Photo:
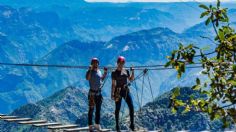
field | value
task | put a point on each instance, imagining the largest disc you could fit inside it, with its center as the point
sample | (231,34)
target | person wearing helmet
(120,90)
(95,78)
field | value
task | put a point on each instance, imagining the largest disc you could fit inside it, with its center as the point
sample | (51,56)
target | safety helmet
(121,59)
(94,60)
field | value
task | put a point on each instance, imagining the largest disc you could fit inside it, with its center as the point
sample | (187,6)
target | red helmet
(94,60)
(121,59)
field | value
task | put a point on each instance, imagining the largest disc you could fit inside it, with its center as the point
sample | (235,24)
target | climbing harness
(92,95)
(127,90)
(95,93)
(142,75)
(117,94)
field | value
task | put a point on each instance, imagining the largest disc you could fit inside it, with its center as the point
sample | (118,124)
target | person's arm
(88,73)
(104,73)
(131,78)
(113,85)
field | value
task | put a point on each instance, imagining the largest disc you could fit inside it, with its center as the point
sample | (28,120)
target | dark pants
(126,95)
(97,103)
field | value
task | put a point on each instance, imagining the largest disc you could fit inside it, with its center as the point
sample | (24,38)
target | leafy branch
(219,89)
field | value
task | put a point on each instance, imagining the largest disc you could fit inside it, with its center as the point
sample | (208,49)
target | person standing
(120,90)
(95,78)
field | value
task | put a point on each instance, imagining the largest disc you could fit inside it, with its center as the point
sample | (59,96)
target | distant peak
(153,31)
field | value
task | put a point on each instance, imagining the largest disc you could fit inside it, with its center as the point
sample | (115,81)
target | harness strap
(95,92)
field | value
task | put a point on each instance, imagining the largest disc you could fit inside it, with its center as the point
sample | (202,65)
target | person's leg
(129,101)
(98,109)
(90,116)
(117,111)
(90,112)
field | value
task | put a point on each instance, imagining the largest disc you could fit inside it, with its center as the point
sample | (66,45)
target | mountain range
(42,82)
(70,106)
(65,33)
(64,106)
(153,46)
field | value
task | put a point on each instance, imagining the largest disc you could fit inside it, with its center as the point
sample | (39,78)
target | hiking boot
(132,127)
(97,127)
(91,128)
(118,128)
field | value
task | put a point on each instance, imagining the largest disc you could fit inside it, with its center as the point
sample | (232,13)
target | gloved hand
(105,69)
(90,67)
(132,68)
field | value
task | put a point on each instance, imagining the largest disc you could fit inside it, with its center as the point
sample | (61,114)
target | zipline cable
(150,87)
(149,67)
(84,67)
(142,91)
(137,94)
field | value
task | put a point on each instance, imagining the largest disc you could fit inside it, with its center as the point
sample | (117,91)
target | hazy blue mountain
(70,106)
(126,19)
(64,33)
(32,84)
(30,26)
(56,24)
(232,13)
(157,115)
(65,106)
(202,30)
(100,21)
(189,77)
(33,33)
(42,4)
(42,82)
(140,48)
(132,16)
(6,48)
(153,45)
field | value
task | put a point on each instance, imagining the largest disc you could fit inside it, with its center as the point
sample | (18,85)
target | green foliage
(220,87)
(187,53)
(158,115)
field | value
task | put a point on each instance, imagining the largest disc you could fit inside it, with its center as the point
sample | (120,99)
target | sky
(157,0)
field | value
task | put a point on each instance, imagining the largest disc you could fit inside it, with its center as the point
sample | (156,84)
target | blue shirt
(95,81)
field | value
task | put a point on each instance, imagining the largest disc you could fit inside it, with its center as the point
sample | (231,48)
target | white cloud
(156,0)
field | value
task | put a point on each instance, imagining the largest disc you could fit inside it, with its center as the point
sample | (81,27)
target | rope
(86,67)
(136,78)
(167,68)
(69,66)
(150,87)
(123,105)
(142,92)
(135,84)
(104,81)
(43,65)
